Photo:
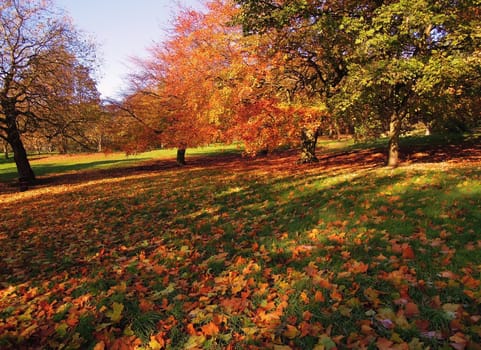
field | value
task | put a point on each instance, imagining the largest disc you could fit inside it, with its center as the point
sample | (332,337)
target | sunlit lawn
(243,253)
(54,163)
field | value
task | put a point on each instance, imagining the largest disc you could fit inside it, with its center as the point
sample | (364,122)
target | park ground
(231,252)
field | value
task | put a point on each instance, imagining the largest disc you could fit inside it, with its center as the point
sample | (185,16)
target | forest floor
(232,252)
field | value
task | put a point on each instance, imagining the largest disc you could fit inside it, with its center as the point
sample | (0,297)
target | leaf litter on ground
(247,254)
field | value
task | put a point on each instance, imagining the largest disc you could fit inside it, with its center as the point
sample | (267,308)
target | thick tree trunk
(394,133)
(25,172)
(308,144)
(181,156)
(63,145)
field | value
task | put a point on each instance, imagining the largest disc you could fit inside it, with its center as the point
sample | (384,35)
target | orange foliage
(209,83)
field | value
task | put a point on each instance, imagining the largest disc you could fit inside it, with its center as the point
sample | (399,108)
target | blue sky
(122,29)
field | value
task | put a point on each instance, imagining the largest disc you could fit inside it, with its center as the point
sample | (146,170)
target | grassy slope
(260,253)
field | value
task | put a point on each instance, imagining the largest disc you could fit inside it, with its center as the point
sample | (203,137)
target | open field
(45,164)
(247,253)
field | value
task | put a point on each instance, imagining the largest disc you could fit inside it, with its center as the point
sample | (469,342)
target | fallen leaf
(319,297)
(99,346)
(210,329)
(407,251)
(291,332)
(384,344)
(116,314)
(411,310)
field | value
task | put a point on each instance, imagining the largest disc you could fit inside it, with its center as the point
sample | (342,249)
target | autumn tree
(412,58)
(37,47)
(73,106)
(309,37)
(377,65)
(177,89)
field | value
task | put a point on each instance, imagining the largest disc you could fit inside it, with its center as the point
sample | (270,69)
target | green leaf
(327,342)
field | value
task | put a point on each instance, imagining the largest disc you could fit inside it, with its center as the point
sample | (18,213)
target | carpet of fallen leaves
(231,253)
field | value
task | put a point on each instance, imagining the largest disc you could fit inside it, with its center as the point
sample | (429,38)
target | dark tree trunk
(25,172)
(394,133)
(309,142)
(181,156)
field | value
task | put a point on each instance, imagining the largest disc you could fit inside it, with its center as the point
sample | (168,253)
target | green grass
(54,164)
(260,252)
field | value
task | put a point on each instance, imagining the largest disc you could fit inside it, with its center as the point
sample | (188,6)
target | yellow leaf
(304,298)
(28,331)
(195,341)
(61,329)
(291,332)
(128,331)
(451,307)
(154,344)
(116,314)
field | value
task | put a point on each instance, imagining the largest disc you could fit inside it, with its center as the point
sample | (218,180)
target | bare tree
(37,43)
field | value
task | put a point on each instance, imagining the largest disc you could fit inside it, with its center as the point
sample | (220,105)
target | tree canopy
(267,73)
(273,73)
(44,68)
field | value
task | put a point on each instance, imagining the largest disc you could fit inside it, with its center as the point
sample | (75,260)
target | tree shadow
(178,233)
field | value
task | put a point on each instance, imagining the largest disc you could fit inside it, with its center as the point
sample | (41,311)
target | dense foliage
(270,74)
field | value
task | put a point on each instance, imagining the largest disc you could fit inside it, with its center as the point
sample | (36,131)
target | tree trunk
(181,156)
(25,172)
(63,145)
(100,143)
(428,130)
(309,142)
(394,133)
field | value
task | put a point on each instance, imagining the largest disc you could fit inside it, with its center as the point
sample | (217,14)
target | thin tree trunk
(394,133)
(308,144)
(181,156)
(100,144)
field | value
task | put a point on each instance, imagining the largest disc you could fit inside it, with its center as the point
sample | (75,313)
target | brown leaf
(384,344)
(411,310)
(407,251)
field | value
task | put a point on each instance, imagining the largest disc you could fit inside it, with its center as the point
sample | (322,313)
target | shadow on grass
(231,235)
(53,168)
